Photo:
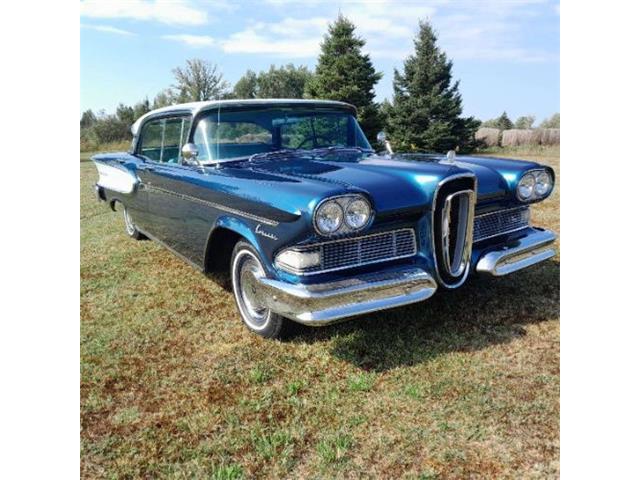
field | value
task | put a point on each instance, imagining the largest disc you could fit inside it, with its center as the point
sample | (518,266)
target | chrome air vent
(452,228)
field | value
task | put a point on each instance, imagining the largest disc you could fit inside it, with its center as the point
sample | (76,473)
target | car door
(163,177)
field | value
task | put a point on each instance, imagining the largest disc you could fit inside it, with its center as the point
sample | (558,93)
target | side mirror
(190,154)
(382,138)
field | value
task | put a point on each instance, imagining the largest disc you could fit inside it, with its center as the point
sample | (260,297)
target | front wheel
(246,268)
(130,227)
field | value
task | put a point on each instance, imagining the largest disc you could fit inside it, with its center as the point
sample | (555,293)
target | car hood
(392,183)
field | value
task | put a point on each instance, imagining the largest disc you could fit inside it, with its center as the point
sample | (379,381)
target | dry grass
(172,385)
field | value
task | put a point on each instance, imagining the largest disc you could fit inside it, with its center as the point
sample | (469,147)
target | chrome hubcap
(128,223)
(247,270)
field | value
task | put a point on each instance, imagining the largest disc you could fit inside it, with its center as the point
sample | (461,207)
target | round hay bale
(490,137)
(550,136)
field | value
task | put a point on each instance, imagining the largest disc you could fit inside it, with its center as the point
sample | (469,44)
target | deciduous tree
(199,80)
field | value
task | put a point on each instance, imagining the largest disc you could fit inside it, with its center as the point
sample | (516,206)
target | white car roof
(196,107)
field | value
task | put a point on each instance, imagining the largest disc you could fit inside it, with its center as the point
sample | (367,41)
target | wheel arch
(223,237)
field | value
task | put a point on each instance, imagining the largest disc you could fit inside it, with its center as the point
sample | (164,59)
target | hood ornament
(451,156)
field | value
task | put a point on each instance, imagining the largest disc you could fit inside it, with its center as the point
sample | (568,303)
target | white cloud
(192,40)
(290,37)
(250,41)
(177,12)
(109,29)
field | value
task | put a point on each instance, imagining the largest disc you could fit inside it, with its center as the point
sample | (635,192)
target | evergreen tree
(427,107)
(503,122)
(345,73)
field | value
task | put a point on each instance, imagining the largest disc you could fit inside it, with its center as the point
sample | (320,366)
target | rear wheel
(246,269)
(130,227)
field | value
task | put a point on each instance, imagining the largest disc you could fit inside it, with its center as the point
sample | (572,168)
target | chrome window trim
(137,137)
(351,239)
(433,213)
(520,207)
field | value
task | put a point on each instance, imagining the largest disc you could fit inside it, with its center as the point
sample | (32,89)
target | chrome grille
(355,252)
(498,223)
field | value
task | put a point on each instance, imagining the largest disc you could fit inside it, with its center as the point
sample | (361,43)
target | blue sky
(505,53)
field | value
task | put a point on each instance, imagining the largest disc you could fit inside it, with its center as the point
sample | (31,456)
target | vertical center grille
(452,228)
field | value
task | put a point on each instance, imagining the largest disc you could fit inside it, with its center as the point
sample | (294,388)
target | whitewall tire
(246,268)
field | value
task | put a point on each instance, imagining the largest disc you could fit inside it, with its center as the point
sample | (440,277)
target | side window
(175,131)
(162,140)
(151,141)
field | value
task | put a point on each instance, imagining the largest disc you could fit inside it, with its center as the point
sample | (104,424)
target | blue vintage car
(313,225)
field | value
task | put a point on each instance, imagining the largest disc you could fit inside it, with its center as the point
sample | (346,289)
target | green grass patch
(464,385)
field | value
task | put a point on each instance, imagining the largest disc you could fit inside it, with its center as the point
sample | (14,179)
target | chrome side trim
(224,208)
(519,254)
(350,239)
(320,304)
(433,213)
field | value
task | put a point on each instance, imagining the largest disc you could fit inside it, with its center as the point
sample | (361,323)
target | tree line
(424,113)
(526,122)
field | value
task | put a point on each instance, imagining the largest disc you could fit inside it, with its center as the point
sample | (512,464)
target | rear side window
(162,140)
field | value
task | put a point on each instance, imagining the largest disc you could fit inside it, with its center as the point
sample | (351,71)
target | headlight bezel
(535,196)
(343,201)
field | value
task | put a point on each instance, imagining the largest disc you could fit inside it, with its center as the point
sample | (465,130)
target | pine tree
(345,73)
(427,107)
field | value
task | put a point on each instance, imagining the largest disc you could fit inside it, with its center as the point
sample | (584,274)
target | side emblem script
(259,231)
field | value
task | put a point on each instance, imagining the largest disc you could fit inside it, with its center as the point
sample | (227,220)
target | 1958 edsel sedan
(312,223)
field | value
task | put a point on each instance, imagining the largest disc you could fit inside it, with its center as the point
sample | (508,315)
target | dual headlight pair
(342,214)
(534,185)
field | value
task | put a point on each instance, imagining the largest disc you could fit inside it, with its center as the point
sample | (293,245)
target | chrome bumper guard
(320,304)
(522,253)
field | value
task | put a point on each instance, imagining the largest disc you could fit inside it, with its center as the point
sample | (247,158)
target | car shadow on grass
(483,312)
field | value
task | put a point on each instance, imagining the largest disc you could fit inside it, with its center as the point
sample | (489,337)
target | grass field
(172,385)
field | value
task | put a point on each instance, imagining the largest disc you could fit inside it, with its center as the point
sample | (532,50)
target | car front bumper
(518,254)
(324,303)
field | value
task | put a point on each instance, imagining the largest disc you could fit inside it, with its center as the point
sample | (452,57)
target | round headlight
(357,213)
(329,217)
(543,184)
(526,186)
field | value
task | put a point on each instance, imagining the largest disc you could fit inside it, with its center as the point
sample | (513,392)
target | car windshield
(231,135)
